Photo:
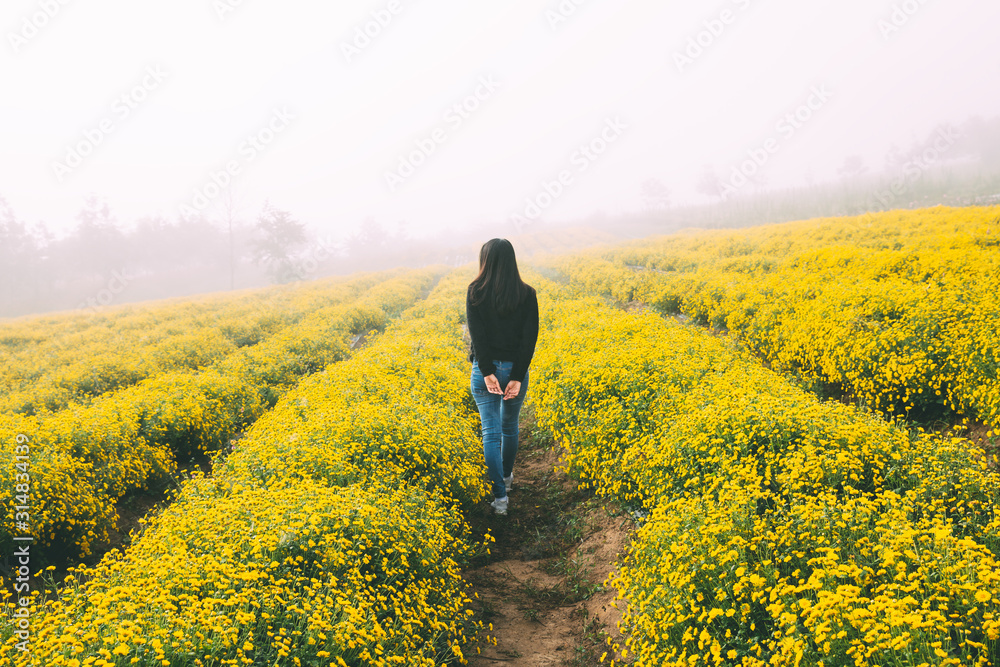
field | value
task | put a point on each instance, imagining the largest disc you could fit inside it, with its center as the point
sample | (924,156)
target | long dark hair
(499,283)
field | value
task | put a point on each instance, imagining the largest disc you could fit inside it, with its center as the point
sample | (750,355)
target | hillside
(770,446)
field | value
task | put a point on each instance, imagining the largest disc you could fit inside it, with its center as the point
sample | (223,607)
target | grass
(593,643)
(548,520)
(578,586)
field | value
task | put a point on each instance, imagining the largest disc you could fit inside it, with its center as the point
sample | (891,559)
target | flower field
(49,361)
(782,530)
(778,527)
(333,535)
(897,309)
(94,449)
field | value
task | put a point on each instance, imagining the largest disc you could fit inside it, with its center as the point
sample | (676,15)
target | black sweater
(510,338)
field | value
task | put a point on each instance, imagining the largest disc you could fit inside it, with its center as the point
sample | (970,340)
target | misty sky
(164,96)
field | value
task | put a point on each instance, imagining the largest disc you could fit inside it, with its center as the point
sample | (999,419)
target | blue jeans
(499,418)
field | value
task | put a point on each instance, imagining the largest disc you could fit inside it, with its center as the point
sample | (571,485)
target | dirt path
(542,586)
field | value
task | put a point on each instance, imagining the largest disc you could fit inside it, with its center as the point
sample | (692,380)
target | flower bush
(896,309)
(87,454)
(48,361)
(332,536)
(781,529)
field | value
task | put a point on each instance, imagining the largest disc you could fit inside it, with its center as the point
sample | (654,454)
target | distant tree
(939,145)
(980,138)
(229,207)
(96,217)
(853,166)
(12,232)
(369,244)
(151,241)
(709,183)
(97,244)
(758,180)
(370,236)
(279,237)
(655,195)
(20,250)
(189,241)
(402,233)
(894,158)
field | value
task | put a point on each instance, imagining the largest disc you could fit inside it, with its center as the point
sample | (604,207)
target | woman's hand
(513,389)
(492,384)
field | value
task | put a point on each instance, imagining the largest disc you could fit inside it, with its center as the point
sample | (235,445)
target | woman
(502,314)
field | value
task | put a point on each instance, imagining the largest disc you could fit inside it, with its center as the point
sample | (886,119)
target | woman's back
(502,314)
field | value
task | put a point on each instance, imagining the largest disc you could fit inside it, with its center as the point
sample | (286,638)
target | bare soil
(541,590)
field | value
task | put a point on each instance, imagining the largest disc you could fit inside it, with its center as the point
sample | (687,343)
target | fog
(372,123)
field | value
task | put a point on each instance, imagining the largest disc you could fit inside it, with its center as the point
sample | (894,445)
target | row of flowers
(50,361)
(87,455)
(332,535)
(780,529)
(896,309)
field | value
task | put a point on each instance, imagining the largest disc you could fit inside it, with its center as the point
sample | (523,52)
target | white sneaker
(499,505)
(508,480)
